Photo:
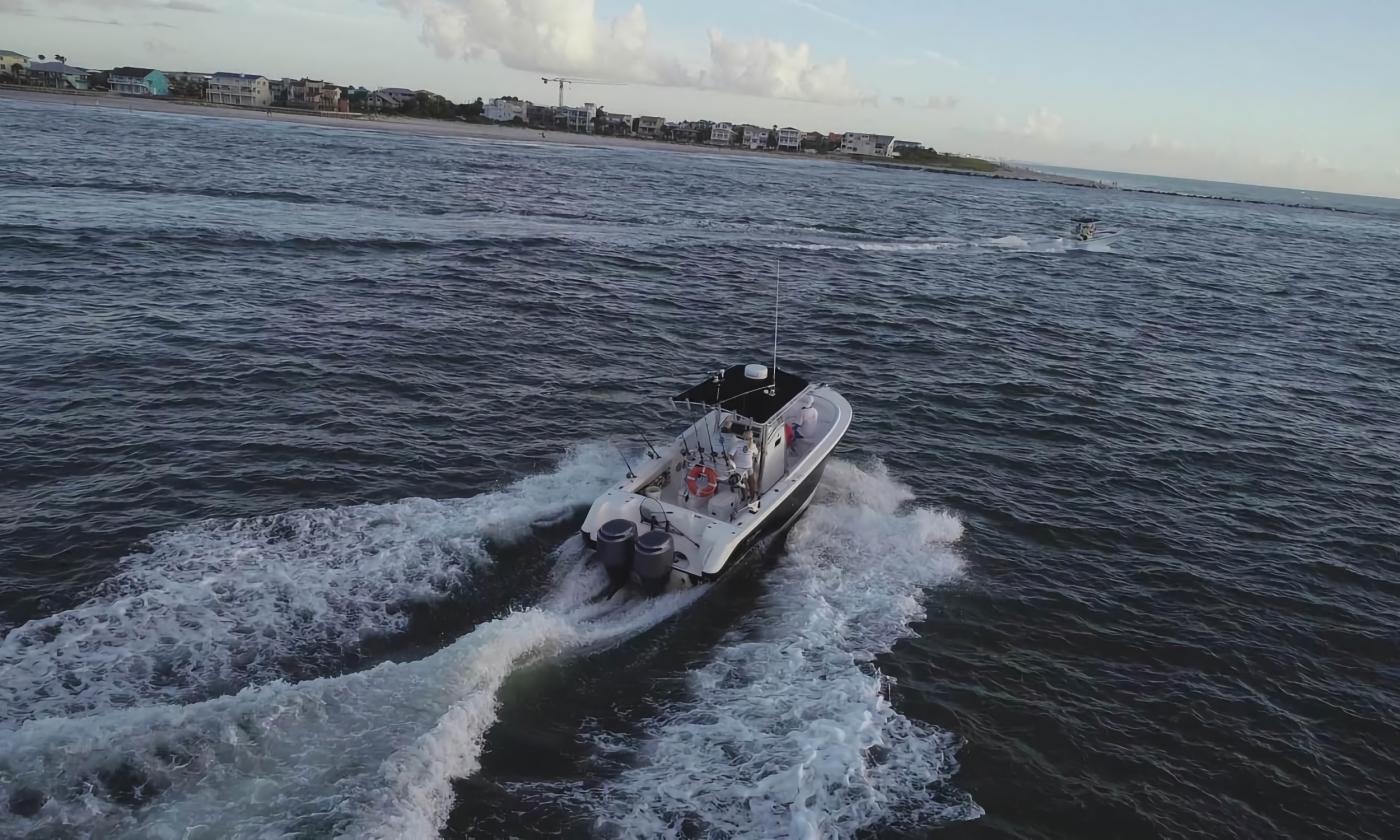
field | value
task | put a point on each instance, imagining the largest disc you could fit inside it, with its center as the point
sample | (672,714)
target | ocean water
(299,424)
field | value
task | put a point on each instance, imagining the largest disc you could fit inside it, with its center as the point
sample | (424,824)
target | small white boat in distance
(1086,229)
(742,472)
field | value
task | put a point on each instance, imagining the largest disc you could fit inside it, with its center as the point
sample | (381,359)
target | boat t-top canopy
(1084,220)
(757,399)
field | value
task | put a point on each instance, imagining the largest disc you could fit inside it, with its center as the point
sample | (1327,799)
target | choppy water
(298,423)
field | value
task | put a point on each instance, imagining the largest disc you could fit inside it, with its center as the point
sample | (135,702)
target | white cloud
(1043,124)
(761,67)
(566,36)
(21,7)
(940,58)
(941,103)
(816,9)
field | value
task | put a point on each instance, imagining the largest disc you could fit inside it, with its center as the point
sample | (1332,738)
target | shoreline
(513,134)
(479,131)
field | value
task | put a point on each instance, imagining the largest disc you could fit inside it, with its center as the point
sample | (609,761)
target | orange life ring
(702,481)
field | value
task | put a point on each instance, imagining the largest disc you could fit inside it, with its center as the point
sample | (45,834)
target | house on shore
(138,81)
(13,64)
(649,127)
(721,134)
(57,75)
(617,125)
(506,109)
(314,95)
(789,139)
(681,132)
(860,143)
(246,89)
(576,120)
(907,146)
(755,137)
(391,99)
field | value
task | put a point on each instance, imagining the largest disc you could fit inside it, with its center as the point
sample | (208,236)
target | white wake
(366,755)
(222,604)
(788,732)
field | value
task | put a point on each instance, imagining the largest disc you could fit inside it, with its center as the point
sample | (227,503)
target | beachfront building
(860,143)
(682,132)
(57,75)
(187,84)
(246,89)
(907,146)
(721,134)
(649,127)
(13,64)
(138,81)
(789,139)
(313,94)
(754,137)
(391,99)
(617,125)
(505,109)
(577,120)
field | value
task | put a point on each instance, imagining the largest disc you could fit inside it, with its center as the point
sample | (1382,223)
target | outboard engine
(653,555)
(614,546)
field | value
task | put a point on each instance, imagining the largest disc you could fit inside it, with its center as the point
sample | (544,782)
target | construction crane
(564,81)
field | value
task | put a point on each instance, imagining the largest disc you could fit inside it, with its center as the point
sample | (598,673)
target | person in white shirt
(741,455)
(805,424)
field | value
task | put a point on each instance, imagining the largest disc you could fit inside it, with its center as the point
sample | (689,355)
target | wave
(281,196)
(1040,245)
(218,605)
(789,732)
(366,755)
(894,247)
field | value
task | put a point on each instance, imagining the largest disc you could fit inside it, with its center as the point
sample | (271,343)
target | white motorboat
(688,513)
(1086,229)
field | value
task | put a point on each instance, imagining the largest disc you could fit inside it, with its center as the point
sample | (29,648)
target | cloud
(21,7)
(830,15)
(566,37)
(1043,124)
(939,58)
(78,19)
(941,103)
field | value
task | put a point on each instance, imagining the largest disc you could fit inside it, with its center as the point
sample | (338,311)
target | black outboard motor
(654,553)
(614,547)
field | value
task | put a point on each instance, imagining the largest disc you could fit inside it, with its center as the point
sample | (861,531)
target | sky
(1285,93)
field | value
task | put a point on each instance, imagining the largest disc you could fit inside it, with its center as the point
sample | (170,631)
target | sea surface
(298,425)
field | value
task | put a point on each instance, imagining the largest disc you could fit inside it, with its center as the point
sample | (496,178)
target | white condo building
(247,89)
(857,143)
(755,137)
(789,139)
(506,109)
(721,134)
(577,120)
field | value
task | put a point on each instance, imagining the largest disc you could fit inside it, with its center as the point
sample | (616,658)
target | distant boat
(1086,229)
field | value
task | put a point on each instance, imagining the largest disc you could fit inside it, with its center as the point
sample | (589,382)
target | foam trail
(366,755)
(888,247)
(218,605)
(789,732)
(1036,245)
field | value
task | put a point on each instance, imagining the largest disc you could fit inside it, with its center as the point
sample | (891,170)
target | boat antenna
(777,298)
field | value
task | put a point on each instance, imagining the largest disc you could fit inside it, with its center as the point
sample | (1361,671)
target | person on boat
(804,423)
(741,457)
